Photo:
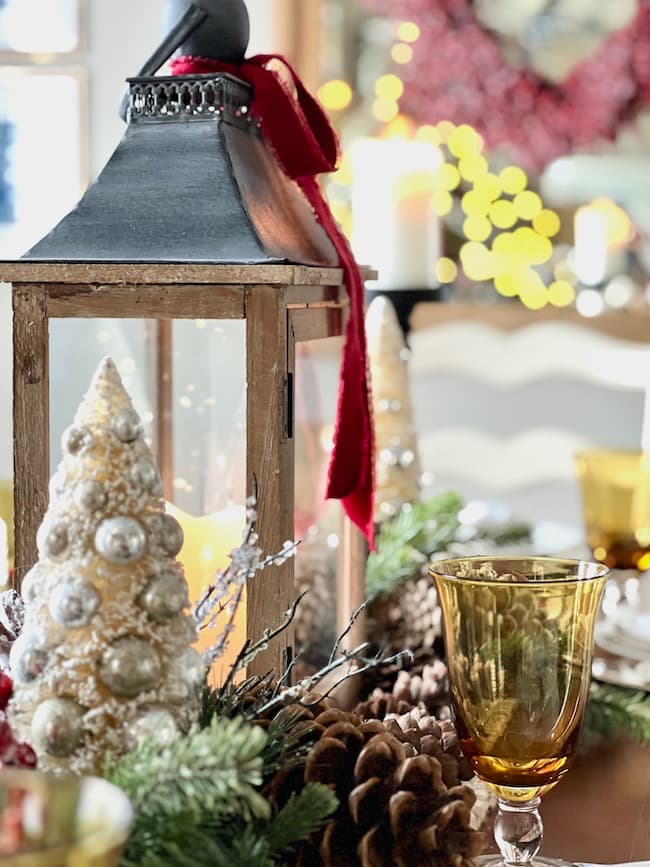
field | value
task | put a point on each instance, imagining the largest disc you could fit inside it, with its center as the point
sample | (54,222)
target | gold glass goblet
(615,487)
(519,640)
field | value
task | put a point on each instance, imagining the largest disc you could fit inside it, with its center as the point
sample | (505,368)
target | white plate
(622,672)
(626,633)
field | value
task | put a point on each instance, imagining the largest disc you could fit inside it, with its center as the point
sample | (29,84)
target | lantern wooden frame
(282,305)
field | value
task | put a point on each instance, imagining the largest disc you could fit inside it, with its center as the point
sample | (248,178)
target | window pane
(39,26)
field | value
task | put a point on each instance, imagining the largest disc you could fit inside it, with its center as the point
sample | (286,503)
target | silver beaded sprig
(225,594)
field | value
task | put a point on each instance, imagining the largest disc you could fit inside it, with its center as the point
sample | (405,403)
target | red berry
(25,756)
(7,739)
(6,690)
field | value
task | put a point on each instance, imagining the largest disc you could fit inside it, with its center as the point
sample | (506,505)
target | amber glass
(615,488)
(519,642)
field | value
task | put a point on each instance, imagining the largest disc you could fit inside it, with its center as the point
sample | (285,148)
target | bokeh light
(401,53)
(472,167)
(513,180)
(408,31)
(547,223)
(477,228)
(488,186)
(446,270)
(590,303)
(474,205)
(442,202)
(534,248)
(476,261)
(385,110)
(618,226)
(619,291)
(506,286)
(389,87)
(445,130)
(465,142)
(448,177)
(400,127)
(532,291)
(527,205)
(561,293)
(335,95)
(428,133)
(503,214)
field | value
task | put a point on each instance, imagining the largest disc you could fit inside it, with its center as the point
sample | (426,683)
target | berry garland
(459,73)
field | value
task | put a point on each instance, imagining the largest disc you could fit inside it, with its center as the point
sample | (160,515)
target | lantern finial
(211,29)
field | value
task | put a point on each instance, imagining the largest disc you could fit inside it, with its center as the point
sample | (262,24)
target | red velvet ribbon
(301,136)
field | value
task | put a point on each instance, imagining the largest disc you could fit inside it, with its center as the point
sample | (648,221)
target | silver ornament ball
(74,605)
(165,596)
(130,666)
(165,535)
(29,589)
(53,539)
(144,475)
(186,677)
(396,456)
(153,720)
(76,440)
(120,541)
(193,668)
(127,426)
(28,658)
(57,727)
(90,496)
(57,485)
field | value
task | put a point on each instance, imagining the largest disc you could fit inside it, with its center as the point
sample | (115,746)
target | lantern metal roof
(192,181)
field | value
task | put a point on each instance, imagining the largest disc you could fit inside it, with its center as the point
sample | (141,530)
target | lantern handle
(191,20)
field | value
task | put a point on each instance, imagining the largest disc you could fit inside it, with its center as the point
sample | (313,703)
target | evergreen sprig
(209,775)
(405,543)
(198,804)
(301,817)
(613,711)
(422,529)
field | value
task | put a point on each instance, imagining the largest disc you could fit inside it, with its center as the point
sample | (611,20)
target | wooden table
(600,812)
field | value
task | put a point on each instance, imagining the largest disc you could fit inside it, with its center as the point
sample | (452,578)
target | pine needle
(614,711)
(302,816)
(207,776)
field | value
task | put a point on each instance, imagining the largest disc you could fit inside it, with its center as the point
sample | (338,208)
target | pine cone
(424,685)
(401,798)
(410,617)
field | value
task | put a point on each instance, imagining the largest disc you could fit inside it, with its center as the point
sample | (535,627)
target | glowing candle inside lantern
(209,541)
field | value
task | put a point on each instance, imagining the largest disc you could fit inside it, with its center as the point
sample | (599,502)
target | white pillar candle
(395,227)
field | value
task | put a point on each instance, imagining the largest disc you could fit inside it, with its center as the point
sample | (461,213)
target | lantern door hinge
(288,406)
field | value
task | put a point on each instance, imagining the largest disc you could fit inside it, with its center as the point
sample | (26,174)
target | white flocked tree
(105,657)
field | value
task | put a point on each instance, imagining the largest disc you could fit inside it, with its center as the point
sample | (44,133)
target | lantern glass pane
(317,521)
(209,414)
(76,348)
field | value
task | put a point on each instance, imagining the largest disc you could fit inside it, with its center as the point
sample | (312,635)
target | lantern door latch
(288,405)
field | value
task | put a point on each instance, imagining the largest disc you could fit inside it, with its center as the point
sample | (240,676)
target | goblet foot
(518,832)
(496,861)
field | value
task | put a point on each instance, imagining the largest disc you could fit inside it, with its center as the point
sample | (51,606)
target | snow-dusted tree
(398,463)
(105,656)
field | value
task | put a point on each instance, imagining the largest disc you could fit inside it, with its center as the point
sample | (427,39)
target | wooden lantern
(192,218)
(282,305)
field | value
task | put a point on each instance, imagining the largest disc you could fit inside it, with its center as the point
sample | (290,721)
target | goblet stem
(518,831)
